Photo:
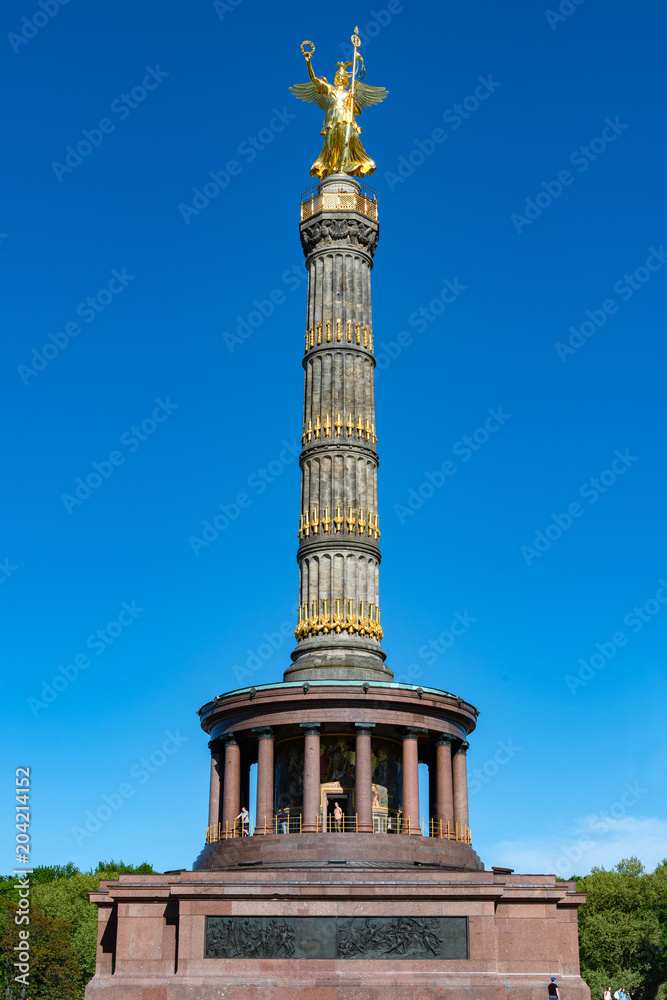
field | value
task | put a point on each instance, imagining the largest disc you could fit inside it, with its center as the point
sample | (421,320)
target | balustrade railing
(450,831)
(314,201)
(384,822)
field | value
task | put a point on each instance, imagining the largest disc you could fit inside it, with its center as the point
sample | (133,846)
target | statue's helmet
(342,77)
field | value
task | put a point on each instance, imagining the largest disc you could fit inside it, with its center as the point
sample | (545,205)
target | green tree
(663,926)
(65,898)
(620,938)
(54,970)
(59,902)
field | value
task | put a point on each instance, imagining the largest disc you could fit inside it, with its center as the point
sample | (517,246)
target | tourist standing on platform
(338,818)
(244,816)
(554,993)
(283,822)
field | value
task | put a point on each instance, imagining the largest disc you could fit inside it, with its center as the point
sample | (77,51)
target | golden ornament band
(311,523)
(320,430)
(366,623)
(339,332)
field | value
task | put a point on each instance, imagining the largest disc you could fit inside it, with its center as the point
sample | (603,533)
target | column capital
(413,733)
(364,728)
(311,728)
(229,740)
(463,748)
(263,732)
(445,739)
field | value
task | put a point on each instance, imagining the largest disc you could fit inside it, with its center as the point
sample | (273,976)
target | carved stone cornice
(339,233)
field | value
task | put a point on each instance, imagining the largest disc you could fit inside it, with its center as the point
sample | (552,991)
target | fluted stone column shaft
(231,803)
(311,776)
(339,554)
(444,794)
(214,791)
(363,791)
(264,810)
(460,783)
(410,791)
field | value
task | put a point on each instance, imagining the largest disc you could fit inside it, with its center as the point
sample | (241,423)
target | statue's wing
(365,95)
(312,93)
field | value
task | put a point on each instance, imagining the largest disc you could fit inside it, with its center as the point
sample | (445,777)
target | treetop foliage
(623,929)
(63,926)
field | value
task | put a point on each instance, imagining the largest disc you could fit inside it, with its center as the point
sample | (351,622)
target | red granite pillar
(410,791)
(264,812)
(311,776)
(460,782)
(444,796)
(363,791)
(231,803)
(214,795)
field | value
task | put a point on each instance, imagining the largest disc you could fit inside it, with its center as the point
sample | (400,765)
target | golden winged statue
(343,152)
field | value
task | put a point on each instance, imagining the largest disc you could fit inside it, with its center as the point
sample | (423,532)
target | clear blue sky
(539,198)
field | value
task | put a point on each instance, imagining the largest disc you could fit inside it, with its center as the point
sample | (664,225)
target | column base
(341,657)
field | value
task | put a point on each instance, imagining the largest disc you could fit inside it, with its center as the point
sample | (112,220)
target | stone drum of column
(338,630)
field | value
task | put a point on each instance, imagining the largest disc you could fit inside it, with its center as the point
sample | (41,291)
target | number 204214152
(22,814)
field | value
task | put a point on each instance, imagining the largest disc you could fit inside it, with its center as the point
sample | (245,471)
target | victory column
(349,888)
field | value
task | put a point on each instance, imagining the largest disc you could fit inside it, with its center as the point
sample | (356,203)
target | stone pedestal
(427,933)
